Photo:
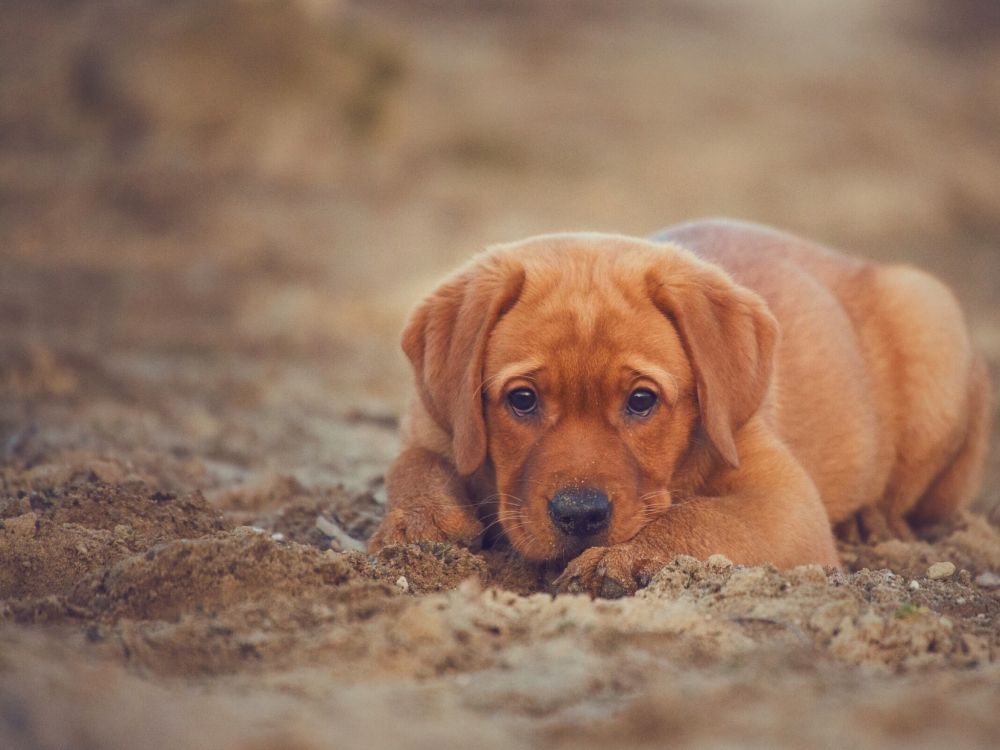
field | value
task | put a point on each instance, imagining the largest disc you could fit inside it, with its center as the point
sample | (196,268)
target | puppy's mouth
(568,548)
(570,521)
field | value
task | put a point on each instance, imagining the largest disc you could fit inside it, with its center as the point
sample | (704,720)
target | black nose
(580,512)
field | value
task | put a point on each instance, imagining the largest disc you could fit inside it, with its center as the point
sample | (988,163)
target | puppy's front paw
(609,572)
(441,525)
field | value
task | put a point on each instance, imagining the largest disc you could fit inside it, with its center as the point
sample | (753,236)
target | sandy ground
(213,218)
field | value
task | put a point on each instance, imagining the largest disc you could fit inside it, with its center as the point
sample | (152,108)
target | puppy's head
(582,369)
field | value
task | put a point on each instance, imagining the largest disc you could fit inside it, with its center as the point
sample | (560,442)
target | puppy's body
(793,388)
(877,391)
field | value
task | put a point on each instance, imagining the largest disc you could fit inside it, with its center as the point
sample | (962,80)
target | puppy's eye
(640,402)
(523,401)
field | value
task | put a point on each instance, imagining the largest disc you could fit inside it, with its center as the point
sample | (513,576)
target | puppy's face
(580,367)
(589,403)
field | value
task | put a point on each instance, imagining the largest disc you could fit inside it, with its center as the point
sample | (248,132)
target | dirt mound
(283,505)
(876,618)
(53,537)
(425,567)
(154,583)
(42,558)
(210,574)
(146,556)
(137,514)
(968,540)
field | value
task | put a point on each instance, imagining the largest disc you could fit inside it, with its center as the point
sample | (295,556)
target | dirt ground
(214,217)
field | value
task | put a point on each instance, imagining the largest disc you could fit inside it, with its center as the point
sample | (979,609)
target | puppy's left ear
(445,341)
(729,335)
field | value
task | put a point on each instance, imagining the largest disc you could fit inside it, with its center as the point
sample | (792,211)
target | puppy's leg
(959,482)
(938,395)
(427,502)
(765,511)
(849,530)
(878,526)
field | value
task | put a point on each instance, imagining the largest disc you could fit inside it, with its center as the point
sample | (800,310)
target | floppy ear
(729,335)
(445,341)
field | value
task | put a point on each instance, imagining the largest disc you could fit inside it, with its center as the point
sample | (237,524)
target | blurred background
(215,214)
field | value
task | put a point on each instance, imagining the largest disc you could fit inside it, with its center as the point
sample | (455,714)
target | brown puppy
(722,388)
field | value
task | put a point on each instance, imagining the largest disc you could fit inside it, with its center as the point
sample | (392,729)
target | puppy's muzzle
(580,512)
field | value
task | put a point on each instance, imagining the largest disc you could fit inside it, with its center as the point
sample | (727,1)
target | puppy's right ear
(445,341)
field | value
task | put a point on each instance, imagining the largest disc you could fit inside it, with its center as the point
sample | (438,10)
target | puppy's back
(875,373)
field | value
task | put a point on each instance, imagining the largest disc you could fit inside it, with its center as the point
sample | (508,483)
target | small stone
(277,536)
(403,584)
(344,541)
(719,562)
(914,585)
(246,531)
(960,600)
(940,570)
(988,580)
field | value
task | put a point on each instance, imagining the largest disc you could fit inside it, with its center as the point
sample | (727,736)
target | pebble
(940,570)
(914,585)
(719,562)
(345,541)
(988,580)
(403,584)
(245,531)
